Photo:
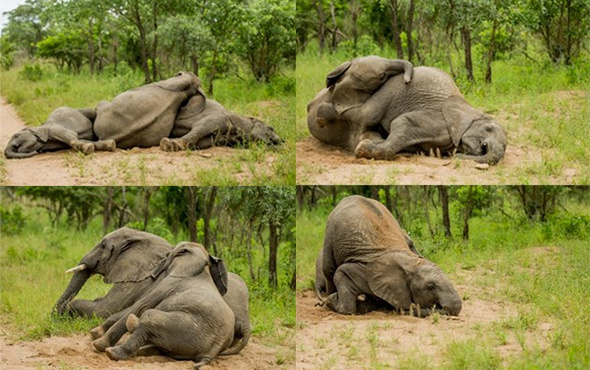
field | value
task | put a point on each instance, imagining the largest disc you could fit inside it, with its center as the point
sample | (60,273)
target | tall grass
(33,261)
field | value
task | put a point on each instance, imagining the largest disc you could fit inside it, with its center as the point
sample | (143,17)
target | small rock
(482,166)
(446,163)
(206,155)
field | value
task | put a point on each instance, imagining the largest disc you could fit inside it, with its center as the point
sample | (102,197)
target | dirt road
(126,167)
(77,352)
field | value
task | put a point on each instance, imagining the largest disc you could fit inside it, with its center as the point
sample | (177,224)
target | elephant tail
(239,341)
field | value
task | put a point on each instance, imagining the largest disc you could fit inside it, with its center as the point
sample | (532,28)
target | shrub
(11,222)
(31,72)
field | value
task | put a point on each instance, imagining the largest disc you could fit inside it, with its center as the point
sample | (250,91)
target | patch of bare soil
(326,339)
(77,352)
(319,163)
(137,166)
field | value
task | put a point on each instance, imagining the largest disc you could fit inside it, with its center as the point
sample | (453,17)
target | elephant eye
(430,286)
(489,128)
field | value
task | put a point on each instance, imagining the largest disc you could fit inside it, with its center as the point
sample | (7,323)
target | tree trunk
(466,38)
(409,30)
(207,219)
(123,214)
(444,198)
(467,213)
(249,252)
(191,197)
(395,29)
(195,64)
(491,51)
(375,192)
(273,242)
(91,53)
(293,284)
(300,193)
(335,24)
(146,206)
(321,25)
(143,44)
(154,56)
(108,206)
(425,200)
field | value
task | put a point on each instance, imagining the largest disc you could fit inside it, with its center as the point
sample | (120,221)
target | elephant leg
(407,131)
(71,138)
(350,281)
(121,296)
(105,145)
(209,126)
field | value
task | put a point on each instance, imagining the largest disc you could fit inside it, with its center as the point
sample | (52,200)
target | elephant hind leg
(105,145)
(350,282)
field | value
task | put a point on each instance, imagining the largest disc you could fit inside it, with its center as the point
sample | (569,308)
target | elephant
(427,114)
(184,316)
(143,116)
(203,123)
(367,253)
(236,297)
(64,128)
(126,258)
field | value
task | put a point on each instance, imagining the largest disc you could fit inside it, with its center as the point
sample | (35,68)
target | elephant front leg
(71,139)
(207,127)
(105,145)
(350,282)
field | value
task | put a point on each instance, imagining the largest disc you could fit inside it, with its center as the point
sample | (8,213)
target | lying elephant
(366,253)
(184,316)
(143,116)
(427,114)
(203,123)
(65,128)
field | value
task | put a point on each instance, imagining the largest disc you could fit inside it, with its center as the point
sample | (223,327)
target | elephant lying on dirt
(366,253)
(203,123)
(65,128)
(184,316)
(126,259)
(427,114)
(143,116)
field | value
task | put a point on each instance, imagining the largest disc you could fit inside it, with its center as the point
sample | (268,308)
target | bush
(11,222)
(31,72)
(155,226)
(365,46)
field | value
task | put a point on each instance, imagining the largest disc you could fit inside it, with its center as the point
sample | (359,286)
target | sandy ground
(319,163)
(76,352)
(137,166)
(326,339)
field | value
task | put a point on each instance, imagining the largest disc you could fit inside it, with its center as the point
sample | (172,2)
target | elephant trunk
(453,308)
(77,282)
(491,157)
(11,154)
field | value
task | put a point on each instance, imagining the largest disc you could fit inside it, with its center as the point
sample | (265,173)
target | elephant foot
(365,149)
(110,145)
(97,332)
(101,344)
(86,148)
(172,145)
(132,323)
(117,353)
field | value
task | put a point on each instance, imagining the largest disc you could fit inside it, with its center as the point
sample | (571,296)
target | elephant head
(475,134)
(264,133)
(27,142)
(183,81)
(402,279)
(355,81)
(192,259)
(125,255)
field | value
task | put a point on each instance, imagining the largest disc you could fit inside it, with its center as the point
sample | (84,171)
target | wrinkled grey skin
(366,253)
(126,259)
(143,116)
(236,296)
(429,113)
(203,123)
(65,128)
(184,316)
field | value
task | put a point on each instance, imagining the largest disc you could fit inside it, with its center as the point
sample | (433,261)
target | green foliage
(31,72)
(364,46)
(12,220)
(156,226)
(66,48)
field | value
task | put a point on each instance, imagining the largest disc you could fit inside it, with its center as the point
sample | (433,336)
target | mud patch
(77,352)
(319,163)
(136,166)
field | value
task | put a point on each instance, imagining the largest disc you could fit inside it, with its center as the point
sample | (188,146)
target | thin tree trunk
(146,206)
(273,243)
(466,38)
(467,213)
(335,29)
(300,192)
(207,219)
(491,51)
(155,43)
(122,215)
(395,29)
(425,200)
(444,198)
(106,218)
(321,25)
(91,53)
(191,195)
(409,30)
(293,284)
(249,252)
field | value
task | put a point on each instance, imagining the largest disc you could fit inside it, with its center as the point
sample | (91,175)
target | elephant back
(361,229)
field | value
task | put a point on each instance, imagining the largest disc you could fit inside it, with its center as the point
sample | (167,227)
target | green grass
(544,287)
(273,103)
(32,265)
(542,107)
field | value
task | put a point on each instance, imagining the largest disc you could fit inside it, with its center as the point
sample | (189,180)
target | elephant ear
(136,260)
(459,116)
(218,273)
(41,133)
(388,281)
(337,73)
(161,267)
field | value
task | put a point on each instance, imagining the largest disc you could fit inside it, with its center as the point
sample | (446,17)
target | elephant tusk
(80,267)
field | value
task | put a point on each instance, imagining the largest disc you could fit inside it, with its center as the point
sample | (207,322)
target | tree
(27,25)
(65,48)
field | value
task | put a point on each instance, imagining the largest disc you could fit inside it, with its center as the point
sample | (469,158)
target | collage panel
(156,277)
(449,277)
(147,92)
(442,92)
